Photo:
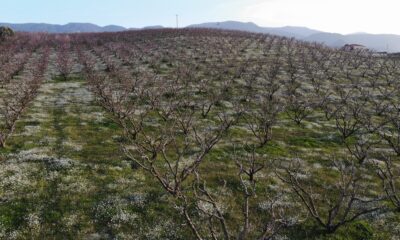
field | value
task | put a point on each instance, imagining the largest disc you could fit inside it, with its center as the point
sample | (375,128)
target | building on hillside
(394,55)
(353,47)
(380,54)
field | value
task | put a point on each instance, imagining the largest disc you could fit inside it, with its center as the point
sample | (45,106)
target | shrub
(6,32)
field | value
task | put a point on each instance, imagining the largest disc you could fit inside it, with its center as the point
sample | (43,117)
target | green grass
(99,183)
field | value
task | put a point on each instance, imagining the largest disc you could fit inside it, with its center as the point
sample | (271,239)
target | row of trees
(23,68)
(179,97)
(202,112)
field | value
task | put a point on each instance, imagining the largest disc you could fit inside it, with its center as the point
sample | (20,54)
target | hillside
(377,42)
(298,32)
(196,134)
(68,28)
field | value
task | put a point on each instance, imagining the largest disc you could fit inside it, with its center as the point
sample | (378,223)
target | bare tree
(17,97)
(261,118)
(388,172)
(332,204)
(64,61)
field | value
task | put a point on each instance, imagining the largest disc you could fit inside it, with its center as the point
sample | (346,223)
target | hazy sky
(343,16)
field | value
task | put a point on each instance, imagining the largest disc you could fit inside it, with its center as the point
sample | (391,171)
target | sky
(341,16)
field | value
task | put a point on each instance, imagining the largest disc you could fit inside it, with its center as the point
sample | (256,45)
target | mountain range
(67,28)
(296,32)
(377,42)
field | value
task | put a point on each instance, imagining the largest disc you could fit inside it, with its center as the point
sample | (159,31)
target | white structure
(353,47)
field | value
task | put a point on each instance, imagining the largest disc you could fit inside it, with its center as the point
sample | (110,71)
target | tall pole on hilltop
(177,21)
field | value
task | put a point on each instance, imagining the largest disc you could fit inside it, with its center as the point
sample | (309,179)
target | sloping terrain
(196,134)
(375,42)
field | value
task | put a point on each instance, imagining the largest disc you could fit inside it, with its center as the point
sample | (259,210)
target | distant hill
(298,32)
(68,28)
(154,27)
(377,42)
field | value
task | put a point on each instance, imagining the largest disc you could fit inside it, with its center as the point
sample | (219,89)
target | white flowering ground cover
(63,175)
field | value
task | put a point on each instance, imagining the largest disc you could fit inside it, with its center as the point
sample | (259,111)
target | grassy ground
(63,174)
